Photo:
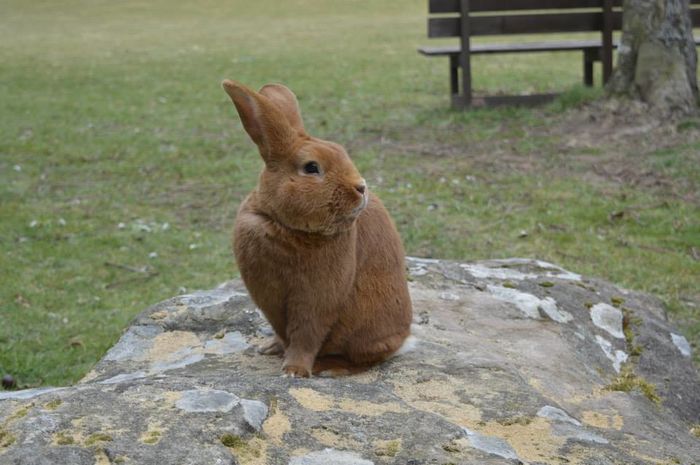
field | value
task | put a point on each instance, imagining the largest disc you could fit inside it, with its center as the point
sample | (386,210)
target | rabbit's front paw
(273,346)
(292,371)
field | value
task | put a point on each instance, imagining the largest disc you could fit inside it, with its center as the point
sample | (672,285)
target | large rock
(514,361)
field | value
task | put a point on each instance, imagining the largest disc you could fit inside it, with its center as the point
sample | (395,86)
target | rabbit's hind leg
(332,366)
(377,351)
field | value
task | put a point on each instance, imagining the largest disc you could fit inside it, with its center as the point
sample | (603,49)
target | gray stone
(123,377)
(519,374)
(330,456)
(230,343)
(27,393)
(518,269)
(578,433)
(565,425)
(556,414)
(449,296)
(481,271)
(133,344)
(181,359)
(608,318)
(530,305)
(254,413)
(40,427)
(682,344)
(418,270)
(617,357)
(207,400)
(491,445)
(49,456)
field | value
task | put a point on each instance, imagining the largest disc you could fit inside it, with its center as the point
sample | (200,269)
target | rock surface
(515,361)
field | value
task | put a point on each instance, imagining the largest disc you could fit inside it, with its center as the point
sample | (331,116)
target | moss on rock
(628,381)
(6,438)
(232,441)
(152,437)
(97,437)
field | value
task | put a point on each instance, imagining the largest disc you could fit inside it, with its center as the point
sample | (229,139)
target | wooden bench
(468,18)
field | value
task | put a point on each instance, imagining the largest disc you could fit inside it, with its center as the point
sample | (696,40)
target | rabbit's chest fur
(282,267)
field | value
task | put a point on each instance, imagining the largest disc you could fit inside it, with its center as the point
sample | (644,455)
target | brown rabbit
(317,251)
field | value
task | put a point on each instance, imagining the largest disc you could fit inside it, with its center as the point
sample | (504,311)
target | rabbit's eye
(312,168)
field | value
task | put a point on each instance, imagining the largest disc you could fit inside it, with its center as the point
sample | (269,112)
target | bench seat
(553,46)
(524,47)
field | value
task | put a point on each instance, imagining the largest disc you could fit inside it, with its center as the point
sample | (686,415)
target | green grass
(122,161)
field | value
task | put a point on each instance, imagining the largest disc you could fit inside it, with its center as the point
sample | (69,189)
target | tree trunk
(656,59)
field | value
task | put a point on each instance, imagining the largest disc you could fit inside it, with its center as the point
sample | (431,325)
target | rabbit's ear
(263,120)
(285,99)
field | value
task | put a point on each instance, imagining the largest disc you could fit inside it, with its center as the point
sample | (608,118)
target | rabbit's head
(308,184)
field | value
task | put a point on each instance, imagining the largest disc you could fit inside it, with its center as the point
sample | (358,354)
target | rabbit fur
(317,251)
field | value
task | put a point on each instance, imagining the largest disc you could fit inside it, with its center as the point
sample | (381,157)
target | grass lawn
(122,162)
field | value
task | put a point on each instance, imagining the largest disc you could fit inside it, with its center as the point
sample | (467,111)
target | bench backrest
(513,17)
(467,18)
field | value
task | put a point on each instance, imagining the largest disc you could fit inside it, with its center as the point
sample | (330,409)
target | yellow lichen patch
(634,446)
(533,442)
(20,412)
(437,396)
(312,400)
(169,398)
(300,452)
(366,377)
(610,420)
(362,407)
(101,458)
(580,455)
(695,431)
(318,402)
(460,414)
(159,315)
(456,446)
(168,343)
(264,366)
(535,384)
(78,423)
(276,426)
(153,433)
(387,448)
(73,436)
(53,404)
(92,374)
(442,390)
(334,439)
(573,394)
(76,435)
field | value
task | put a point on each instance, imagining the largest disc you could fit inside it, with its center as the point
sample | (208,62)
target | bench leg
(461,95)
(458,102)
(454,74)
(589,57)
